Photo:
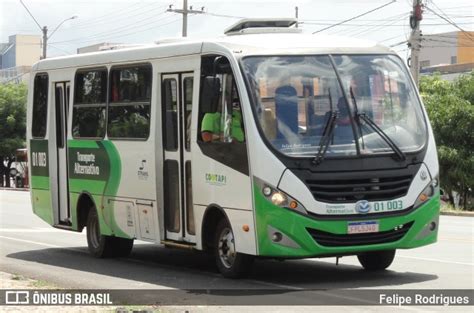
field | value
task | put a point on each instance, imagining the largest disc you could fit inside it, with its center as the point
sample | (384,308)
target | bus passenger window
(130,98)
(170,114)
(40,106)
(88,119)
(188,103)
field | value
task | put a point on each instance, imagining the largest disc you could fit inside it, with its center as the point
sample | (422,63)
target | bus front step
(182,245)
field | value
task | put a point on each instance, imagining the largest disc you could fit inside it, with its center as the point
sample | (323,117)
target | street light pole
(44,29)
(46,37)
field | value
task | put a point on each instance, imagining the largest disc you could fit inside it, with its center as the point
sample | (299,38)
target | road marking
(30,230)
(435,260)
(282,286)
(33,242)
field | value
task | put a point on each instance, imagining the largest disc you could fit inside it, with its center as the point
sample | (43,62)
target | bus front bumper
(286,234)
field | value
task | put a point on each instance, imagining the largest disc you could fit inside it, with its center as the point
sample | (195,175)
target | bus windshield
(296,96)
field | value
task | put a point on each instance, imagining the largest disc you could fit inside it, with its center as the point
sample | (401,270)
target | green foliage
(12,118)
(12,125)
(451,111)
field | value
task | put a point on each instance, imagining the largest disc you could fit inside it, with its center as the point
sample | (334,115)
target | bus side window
(130,98)
(170,116)
(188,103)
(90,96)
(40,106)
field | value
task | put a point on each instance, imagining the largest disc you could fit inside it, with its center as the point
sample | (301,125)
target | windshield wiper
(327,133)
(368,121)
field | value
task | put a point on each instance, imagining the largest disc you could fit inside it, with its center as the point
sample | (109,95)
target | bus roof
(239,45)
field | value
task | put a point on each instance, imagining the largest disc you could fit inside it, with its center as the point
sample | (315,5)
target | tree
(12,126)
(451,111)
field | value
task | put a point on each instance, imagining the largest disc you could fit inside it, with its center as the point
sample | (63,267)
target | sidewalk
(14,189)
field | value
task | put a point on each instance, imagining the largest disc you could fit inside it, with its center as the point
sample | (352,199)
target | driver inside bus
(211,125)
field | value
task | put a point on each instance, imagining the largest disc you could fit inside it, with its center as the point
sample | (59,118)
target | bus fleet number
(39,159)
(388,206)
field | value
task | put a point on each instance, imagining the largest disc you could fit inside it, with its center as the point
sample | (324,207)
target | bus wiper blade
(401,156)
(368,121)
(326,139)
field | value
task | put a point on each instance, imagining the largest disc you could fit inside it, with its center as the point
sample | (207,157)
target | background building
(450,54)
(17,56)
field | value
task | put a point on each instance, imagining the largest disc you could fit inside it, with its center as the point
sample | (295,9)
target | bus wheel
(230,263)
(377,260)
(104,246)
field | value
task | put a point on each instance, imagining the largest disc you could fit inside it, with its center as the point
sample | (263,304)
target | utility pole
(296,15)
(414,43)
(45,41)
(44,29)
(185,11)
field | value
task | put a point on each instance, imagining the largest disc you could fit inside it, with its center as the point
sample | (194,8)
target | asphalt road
(30,247)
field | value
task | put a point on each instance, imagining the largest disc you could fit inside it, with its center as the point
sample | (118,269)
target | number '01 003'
(39,159)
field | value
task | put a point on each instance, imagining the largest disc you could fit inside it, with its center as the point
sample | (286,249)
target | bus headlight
(278,197)
(430,190)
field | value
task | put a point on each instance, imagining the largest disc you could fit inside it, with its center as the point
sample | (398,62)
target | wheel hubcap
(226,248)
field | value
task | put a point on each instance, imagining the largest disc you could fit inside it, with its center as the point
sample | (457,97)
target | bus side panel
(95,169)
(135,202)
(40,180)
(216,183)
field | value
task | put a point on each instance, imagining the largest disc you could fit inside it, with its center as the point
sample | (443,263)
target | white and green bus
(265,142)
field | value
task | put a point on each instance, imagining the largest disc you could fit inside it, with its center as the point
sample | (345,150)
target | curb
(14,189)
(466,214)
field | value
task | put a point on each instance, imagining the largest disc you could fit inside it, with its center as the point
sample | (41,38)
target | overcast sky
(142,21)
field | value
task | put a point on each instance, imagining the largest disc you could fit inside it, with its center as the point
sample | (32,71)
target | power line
(131,33)
(448,20)
(223,15)
(115,30)
(34,19)
(113,14)
(391,38)
(126,16)
(389,21)
(398,43)
(383,24)
(353,18)
(390,18)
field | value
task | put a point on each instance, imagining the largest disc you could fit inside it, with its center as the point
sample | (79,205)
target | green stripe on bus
(39,182)
(42,205)
(91,186)
(74,143)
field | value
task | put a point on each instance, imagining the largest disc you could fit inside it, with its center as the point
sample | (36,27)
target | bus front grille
(339,189)
(340,240)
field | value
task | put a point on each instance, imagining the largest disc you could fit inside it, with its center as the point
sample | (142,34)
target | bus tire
(376,260)
(102,246)
(231,264)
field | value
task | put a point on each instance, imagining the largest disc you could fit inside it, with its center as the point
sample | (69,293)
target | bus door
(61,105)
(177,97)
